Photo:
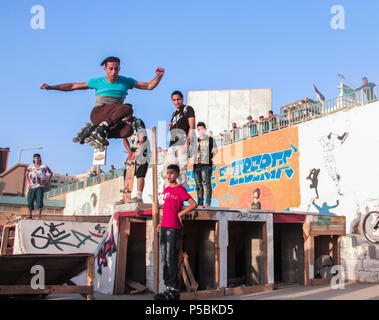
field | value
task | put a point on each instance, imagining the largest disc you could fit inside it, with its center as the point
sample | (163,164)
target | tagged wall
(326,165)
(57,237)
(269,163)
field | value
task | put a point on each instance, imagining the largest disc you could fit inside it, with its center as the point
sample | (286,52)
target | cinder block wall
(359,259)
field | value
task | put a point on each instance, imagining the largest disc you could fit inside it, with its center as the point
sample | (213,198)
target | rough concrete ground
(352,291)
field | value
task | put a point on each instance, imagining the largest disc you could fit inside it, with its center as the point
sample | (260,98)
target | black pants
(169,244)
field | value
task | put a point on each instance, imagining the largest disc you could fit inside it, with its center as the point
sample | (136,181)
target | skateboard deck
(130,166)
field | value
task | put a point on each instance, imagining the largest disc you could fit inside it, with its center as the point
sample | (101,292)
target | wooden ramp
(16,274)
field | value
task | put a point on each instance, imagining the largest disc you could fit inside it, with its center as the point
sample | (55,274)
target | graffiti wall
(338,171)
(264,167)
(105,259)
(57,237)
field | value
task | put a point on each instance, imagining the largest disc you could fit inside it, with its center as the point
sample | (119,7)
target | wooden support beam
(135,285)
(265,257)
(217,257)
(4,240)
(155,211)
(306,253)
(27,289)
(90,274)
(122,252)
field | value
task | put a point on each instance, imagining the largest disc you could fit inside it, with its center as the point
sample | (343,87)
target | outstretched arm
(66,86)
(151,84)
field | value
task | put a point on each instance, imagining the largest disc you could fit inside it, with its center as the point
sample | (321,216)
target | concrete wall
(344,147)
(220,108)
(13,180)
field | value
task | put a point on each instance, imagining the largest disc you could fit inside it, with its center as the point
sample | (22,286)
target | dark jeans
(169,244)
(203,176)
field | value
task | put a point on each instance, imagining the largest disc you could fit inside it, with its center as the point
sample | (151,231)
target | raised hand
(159,71)
(44,86)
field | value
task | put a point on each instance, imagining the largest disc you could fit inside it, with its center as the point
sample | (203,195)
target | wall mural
(54,237)
(328,144)
(241,174)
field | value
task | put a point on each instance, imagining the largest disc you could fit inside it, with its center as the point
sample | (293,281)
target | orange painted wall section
(269,162)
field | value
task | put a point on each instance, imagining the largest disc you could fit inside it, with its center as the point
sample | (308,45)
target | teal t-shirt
(112,89)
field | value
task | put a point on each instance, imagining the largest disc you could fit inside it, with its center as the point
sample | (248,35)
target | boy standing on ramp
(174,196)
(109,110)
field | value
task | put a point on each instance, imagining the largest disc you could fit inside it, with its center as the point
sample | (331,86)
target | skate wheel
(91,143)
(87,140)
(75,139)
(88,124)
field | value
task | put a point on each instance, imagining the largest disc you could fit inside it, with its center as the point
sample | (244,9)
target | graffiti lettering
(248,216)
(55,236)
(108,248)
(268,166)
(323,221)
(51,237)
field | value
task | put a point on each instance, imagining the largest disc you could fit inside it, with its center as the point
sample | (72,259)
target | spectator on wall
(368,89)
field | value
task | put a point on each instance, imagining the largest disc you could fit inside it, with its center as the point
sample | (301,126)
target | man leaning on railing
(368,89)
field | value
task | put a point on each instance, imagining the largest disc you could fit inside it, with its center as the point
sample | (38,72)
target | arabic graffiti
(53,234)
(108,248)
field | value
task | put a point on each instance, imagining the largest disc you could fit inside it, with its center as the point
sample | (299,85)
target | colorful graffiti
(239,169)
(106,250)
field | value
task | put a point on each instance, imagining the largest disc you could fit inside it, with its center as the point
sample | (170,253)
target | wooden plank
(217,258)
(27,289)
(137,286)
(90,274)
(155,210)
(122,251)
(248,289)
(306,254)
(193,284)
(57,217)
(182,272)
(265,256)
(315,282)
(4,241)
(312,250)
(204,294)
(72,283)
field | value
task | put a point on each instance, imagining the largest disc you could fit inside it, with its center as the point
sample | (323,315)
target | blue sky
(203,45)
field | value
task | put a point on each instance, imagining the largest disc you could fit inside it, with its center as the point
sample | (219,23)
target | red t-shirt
(173,203)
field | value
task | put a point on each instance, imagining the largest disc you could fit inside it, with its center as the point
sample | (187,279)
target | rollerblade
(84,135)
(94,136)
(99,137)
(167,295)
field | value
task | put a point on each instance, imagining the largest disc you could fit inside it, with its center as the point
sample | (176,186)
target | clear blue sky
(203,45)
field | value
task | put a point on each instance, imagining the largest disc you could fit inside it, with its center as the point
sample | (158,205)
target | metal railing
(300,115)
(89,181)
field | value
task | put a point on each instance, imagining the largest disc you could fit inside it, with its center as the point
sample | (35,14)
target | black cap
(36,155)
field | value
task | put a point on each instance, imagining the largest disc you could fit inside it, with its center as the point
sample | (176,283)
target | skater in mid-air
(109,110)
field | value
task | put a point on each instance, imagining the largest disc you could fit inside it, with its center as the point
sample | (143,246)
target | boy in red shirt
(169,228)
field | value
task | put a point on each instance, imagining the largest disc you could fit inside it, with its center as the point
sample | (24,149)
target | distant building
(60,180)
